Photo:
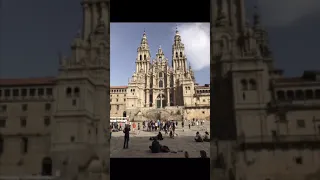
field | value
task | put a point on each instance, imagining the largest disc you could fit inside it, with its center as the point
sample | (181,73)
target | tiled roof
(27,81)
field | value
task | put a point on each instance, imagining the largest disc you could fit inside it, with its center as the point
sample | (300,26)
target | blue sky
(126,37)
(32,34)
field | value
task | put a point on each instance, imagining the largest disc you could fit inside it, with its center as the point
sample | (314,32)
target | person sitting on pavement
(155,146)
(158,137)
(198,137)
(206,137)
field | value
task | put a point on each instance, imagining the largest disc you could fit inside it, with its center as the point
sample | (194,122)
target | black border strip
(159,168)
(159,11)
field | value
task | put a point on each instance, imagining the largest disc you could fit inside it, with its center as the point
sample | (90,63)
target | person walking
(126,137)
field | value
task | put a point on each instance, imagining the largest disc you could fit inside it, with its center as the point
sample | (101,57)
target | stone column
(174,96)
(86,20)
(147,98)
(174,64)
(153,99)
(168,96)
(137,67)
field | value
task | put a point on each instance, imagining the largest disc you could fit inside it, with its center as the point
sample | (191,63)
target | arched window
(309,94)
(244,84)
(161,83)
(317,94)
(76,91)
(299,94)
(176,54)
(180,54)
(253,84)
(68,91)
(140,57)
(281,95)
(145,57)
(290,95)
(160,74)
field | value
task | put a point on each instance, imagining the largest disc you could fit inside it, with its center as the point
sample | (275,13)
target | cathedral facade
(157,85)
(265,125)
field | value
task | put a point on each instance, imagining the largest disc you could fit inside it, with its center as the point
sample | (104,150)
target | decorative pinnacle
(177,31)
(144,36)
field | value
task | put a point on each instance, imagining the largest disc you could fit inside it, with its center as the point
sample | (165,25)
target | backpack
(165,149)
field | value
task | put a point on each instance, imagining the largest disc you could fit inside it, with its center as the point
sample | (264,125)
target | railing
(28,177)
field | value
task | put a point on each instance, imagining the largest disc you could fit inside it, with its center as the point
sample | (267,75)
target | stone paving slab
(139,147)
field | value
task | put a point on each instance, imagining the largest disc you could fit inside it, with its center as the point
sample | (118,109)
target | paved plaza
(139,143)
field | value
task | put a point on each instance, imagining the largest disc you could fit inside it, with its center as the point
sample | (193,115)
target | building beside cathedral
(56,126)
(157,85)
(267,125)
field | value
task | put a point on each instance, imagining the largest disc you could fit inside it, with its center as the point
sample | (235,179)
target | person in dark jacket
(203,154)
(126,137)
(198,137)
(155,146)
(159,136)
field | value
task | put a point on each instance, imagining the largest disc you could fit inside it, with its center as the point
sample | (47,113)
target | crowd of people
(156,125)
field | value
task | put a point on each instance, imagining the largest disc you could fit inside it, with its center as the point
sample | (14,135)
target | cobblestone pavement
(139,144)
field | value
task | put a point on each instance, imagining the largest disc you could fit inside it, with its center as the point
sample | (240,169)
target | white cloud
(196,38)
(285,12)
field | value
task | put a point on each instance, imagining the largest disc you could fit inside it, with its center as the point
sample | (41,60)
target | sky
(32,34)
(126,38)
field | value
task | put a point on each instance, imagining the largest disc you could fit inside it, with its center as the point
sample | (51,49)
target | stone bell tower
(80,133)
(240,79)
